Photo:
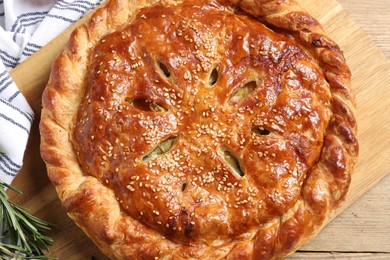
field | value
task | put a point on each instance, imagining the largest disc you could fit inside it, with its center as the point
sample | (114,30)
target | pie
(200,129)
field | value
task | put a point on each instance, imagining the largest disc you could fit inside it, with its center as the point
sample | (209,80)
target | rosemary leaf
(25,238)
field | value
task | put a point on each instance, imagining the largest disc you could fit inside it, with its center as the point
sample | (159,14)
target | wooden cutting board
(371,76)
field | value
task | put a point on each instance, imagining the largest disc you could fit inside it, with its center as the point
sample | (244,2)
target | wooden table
(361,231)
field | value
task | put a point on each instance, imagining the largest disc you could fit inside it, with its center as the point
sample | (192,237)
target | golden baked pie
(200,129)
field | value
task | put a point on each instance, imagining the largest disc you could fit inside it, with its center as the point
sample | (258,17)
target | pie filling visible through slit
(214,121)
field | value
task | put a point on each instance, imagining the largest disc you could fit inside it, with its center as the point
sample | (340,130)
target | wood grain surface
(359,232)
(374,18)
(364,226)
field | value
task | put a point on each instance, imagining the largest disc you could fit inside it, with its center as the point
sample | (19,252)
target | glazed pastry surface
(200,129)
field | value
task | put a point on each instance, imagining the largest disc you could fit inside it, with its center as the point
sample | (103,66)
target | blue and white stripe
(30,49)
(8,60)
(24,21)
(8,166)
(16,118)
(24,28)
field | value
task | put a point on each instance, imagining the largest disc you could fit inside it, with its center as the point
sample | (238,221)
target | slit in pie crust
(200,129)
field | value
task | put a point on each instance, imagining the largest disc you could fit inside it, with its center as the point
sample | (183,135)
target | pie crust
(200,129)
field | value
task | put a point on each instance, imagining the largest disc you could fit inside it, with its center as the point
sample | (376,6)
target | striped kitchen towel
(26,26)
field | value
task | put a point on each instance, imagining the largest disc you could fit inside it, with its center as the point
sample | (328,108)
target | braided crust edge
(92,209)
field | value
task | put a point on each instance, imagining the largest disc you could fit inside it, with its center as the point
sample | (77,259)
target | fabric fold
(25,27)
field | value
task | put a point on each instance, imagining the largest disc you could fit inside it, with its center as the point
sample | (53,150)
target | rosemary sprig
(24,237)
